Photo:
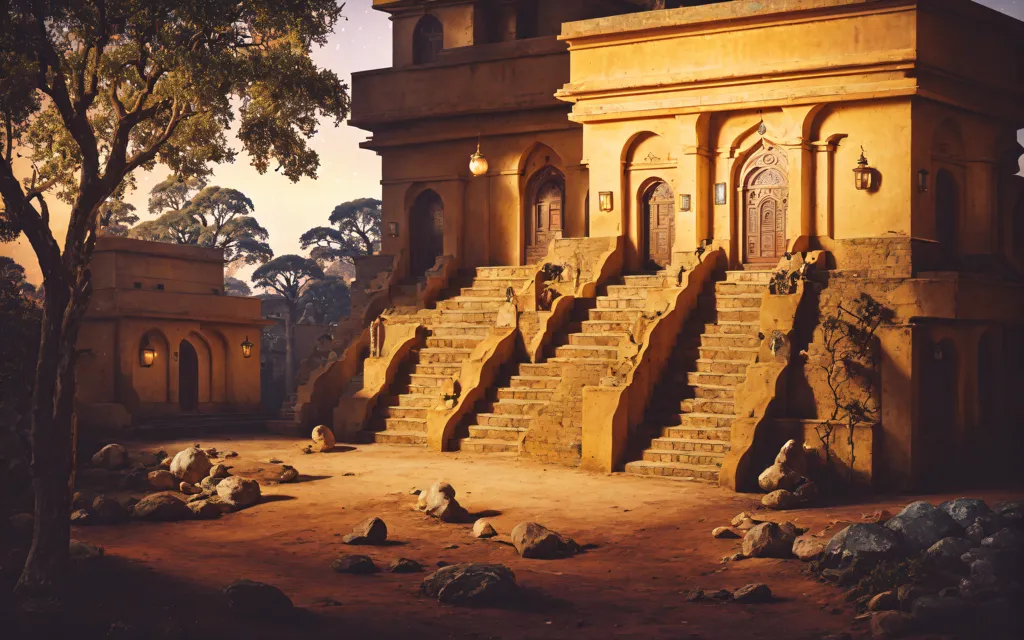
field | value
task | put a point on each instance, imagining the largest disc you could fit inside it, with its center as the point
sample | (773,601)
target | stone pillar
(799,220)
(978,224)
(574,216)
(694,179)
(823,206)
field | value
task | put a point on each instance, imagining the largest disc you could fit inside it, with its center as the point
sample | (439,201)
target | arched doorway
(188,377)
(426,233)
(427,40)
(546,212)
(659,224)
(946,209)
(938,412)
(765,203)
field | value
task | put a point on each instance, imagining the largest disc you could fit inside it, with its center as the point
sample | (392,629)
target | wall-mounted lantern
(477,162)
(392,229)
(247,348)
(684,201)
(863,175)
(147,354)
(606,201)
(922,180)
(720,193)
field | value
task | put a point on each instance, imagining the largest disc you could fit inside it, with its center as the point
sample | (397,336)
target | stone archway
(658,224)
(426,233)
(546,212)
(765,205)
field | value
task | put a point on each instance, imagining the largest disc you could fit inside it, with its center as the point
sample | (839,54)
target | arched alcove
(151,383)
(427,40)
(426,232)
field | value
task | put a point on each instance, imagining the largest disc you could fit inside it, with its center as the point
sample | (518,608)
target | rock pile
(787,481)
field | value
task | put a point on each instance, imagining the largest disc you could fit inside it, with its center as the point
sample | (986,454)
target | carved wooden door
(661,226)
(426,228)
(766,200)
(547,219)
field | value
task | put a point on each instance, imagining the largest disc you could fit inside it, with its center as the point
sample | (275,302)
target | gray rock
(161,507)
(865,543)
(965,511)
(239,492)
(532,540)
(946,552)
(112,456)
(405,565)
(472,584)
(807,548)
(1005,539)
(79,550)
(768,540)
(921,525)
(258,600)
(975,533)
(190,465)
(908,595)
(370,531)
(891,624)
(1011,513)
(439,502)
(939,614)
(355,564)
(753,594)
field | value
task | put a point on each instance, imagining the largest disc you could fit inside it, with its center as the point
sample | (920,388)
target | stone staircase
(462,322)
(590,345)
(694,405)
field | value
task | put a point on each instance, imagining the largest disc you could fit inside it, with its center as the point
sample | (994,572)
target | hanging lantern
(247,348)
(477,162)
(147,355)
(863,175)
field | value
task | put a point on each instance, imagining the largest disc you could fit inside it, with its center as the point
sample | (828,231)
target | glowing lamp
(477,162)
(247,348)
(147,355)
(863,175)
(606,201)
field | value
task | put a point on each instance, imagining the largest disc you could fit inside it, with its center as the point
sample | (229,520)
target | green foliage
(116,217)
(330,299)
(236,287)
(355,232)
(286,275)
(174,193)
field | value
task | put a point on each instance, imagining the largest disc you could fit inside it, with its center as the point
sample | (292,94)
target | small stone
(239,492)
(405,565)
(371,531)
(289,474)
(724,532)
(939,614)
(719,594)
(230,454)
(753,594)
(975,533)
(219,471)
(108,510)
(358,565)
(323,439)
(449,547)
(209,484)
(745,521)
(807,548)
(885,601)
(414,492)
(890,624)
(965,511)
(482,529)
(161,507)
(767,540)
(780,500)
(189,489)
(207,508)
(779,476)
(81,517)
(162,480)
(258,600)
(694,595)
(532,540)
(112,456)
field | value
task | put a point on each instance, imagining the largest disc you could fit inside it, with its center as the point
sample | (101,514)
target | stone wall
(557,434)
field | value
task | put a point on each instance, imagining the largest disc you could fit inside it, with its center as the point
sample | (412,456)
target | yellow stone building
(161,340)
(669,163)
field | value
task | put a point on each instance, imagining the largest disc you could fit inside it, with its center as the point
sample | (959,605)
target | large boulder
(258,600)
(793,456)
(239,492)
(369,531)
(439,502)
(472,584)
(779,476)
(191,465)
(162,480)
(768,540)
(208,508)
(965,511)
(323,439)
(107,510)
(112,456)
(921,525)
(161,507)
(946,553)
(536,541)
(863,543)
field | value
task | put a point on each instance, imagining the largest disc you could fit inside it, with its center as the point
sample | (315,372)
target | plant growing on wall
(849,361)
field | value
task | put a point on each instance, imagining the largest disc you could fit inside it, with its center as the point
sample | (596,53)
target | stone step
(486,445)
(411,400)
(519,272)
(737,354)
(405,412)
(714,392)
(586,365)
(459,329)
(469,303)
(426,381)
(708,405)
(697,433)
(481,291)
(606,326)
(596,339)
(626,291)
(704,473)
(432,355)
(517,407)
(729,341)
(572,351)
(406,425)
(454,342)
(699,378)
(732,328)
(690,445)
(732,288)
(750,276)
(520,393)
(536,382)
(484,318)
(610,302)
(615,315)
(400,437)
(506,434)
(705,420)
(738,301)
(539,369)
(750,316)
(446,369)
(705,365)
(430,391)
(502,420)
(681,457)
(649,282)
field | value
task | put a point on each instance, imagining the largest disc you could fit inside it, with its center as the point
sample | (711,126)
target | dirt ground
(649,540)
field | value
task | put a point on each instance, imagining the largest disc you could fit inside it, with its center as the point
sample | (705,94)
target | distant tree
(329,297)
(224,216)
(355,231)
(175,227)
(236,287)
(174,193)
(116,217)
(92,90)
(286,276)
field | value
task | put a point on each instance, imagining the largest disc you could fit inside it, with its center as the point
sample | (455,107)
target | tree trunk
(52,434)
(289,353)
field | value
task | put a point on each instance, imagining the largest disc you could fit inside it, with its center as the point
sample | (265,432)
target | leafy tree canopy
(355,231)
(329,297)
(174,193)
(116,217)
(236,287)
(286,275)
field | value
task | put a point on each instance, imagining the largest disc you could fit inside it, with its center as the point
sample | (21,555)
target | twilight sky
(346,172)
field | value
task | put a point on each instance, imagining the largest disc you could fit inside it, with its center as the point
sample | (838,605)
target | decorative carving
(377,337)
(652,158)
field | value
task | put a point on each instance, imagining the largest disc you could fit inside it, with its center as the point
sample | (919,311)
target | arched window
(427,40)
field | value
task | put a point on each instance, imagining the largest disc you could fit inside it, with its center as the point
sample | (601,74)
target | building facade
(160,337)
(877,134)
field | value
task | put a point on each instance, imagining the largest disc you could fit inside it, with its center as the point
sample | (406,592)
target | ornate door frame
(538,215)
(764,205)
(658,205)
